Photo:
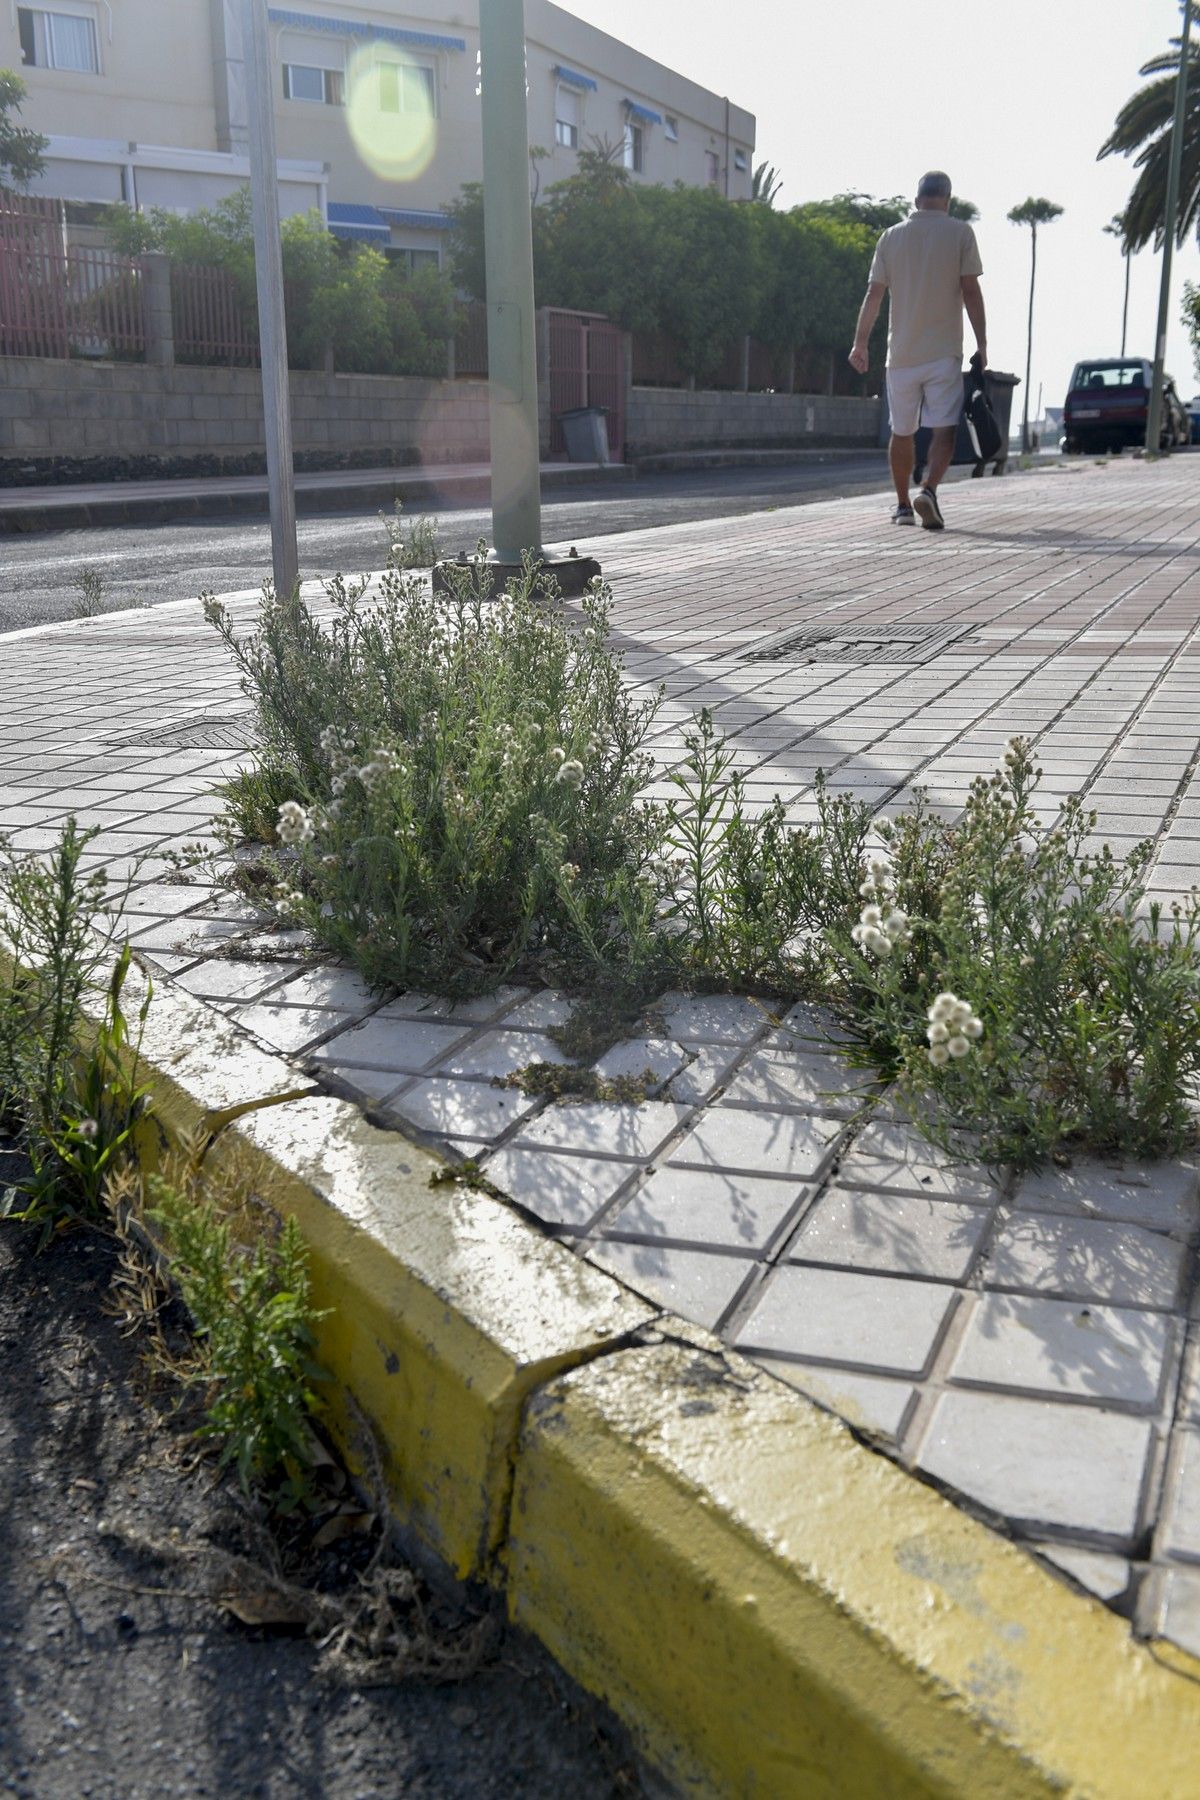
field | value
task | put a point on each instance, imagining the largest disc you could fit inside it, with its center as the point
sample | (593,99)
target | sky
(1011,100)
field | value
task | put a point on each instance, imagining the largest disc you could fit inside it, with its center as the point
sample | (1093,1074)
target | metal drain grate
(912,644)
(200,732)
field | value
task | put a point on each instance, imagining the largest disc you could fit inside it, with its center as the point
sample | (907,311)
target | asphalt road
(146,564)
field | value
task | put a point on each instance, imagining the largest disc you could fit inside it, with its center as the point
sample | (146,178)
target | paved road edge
(771,1606)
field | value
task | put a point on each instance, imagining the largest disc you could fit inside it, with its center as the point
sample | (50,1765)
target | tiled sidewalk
(1028,1345)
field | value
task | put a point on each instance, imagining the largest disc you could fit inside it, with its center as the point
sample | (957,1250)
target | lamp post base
(571,574)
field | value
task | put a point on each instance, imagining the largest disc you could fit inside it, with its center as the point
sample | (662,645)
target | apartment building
(376,107)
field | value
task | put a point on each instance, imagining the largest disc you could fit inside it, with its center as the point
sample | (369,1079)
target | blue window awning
(573,78)
(362,224)
(644,113)
(415,219)
(359,28)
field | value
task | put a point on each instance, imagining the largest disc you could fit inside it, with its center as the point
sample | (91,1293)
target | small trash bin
(999,389)
(585,432)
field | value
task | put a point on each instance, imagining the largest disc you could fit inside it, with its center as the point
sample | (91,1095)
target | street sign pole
(508,262)
(1154,417)
(268,274)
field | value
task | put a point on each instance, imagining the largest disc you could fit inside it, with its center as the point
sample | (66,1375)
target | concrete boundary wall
(682,419)
(57,409)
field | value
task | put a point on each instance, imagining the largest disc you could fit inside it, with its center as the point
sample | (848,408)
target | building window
(313,69)
(712,168)
(671,129)
(406,87)
(566,118)
(412,260)
(740,160)
(59,40)
(633,148)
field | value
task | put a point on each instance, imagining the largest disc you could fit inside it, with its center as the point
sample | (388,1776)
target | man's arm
(972,295)
(868,312)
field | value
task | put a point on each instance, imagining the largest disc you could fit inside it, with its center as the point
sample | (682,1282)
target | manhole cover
(200,732)
(858,644)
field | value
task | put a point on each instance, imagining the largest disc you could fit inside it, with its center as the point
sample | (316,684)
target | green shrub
(254,1321)
(469,772)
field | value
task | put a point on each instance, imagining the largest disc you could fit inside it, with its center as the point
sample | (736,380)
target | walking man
(930,264)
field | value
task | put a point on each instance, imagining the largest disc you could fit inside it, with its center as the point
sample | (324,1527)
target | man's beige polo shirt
(922,262)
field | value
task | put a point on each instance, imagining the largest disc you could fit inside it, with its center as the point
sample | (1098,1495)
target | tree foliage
(379,319)
(688,263)
(1145,124)
(21,150)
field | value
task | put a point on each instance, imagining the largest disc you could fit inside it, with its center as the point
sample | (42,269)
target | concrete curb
(248,497)
(771,1607)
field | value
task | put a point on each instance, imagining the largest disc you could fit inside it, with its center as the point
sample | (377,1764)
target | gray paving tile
(221,978)
(896,1159)
(388,1042)
(868,1321)
(1180,1612)
(451,1108)
(540,1012)
(611,1127)
(690,1282)
(1042,1465)
(871,1402)
(1065,1348)
(711,1018)
(501,1053)
(634,1056)
(760,1142)
(330,986)
(904,1234)
(562,1190)
(1182,1513)
(808,1081)
(708,1068)
(1089,1259)
(1098,1571)
(291,1029)
(1162,1196)
(366,1086)
(703,1206)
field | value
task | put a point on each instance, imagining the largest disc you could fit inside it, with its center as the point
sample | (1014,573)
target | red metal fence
(77,302)
(470,339)
(656,363)
(210,322)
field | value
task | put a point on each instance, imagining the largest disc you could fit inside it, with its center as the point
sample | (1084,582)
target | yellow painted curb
(448,1312)
(778,1611)
(774,1609)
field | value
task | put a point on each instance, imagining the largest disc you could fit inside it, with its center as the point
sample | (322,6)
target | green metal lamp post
(512,331)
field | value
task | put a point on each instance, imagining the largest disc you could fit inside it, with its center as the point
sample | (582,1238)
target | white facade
(376,107)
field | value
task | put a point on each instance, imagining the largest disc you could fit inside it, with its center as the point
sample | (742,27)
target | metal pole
(268,274)
(1154,417)
(1125,308)
(508,259)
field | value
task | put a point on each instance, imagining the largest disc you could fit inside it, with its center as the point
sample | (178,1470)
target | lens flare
(391,112)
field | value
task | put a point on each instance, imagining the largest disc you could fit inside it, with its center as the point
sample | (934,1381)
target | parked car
(1193,407)
(1107,403)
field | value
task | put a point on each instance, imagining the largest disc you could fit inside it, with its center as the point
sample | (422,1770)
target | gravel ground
(111,1689)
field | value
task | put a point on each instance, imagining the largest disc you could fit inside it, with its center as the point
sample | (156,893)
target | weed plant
(456,787)
(412,546)
(73,1109)
(467,773)
(248,1296)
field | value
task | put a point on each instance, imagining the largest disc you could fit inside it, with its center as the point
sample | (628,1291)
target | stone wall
(678,419)
(130,412)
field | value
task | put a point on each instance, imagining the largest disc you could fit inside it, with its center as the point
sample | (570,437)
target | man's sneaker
(926,507)
(903,515)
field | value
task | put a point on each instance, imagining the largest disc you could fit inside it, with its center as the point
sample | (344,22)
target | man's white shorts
(928,394)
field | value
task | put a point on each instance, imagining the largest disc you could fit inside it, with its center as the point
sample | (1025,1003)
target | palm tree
(1144,123)
(1116,228)
(766,183)
(1033,213)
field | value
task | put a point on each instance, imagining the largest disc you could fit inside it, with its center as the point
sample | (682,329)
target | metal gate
(587,368)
